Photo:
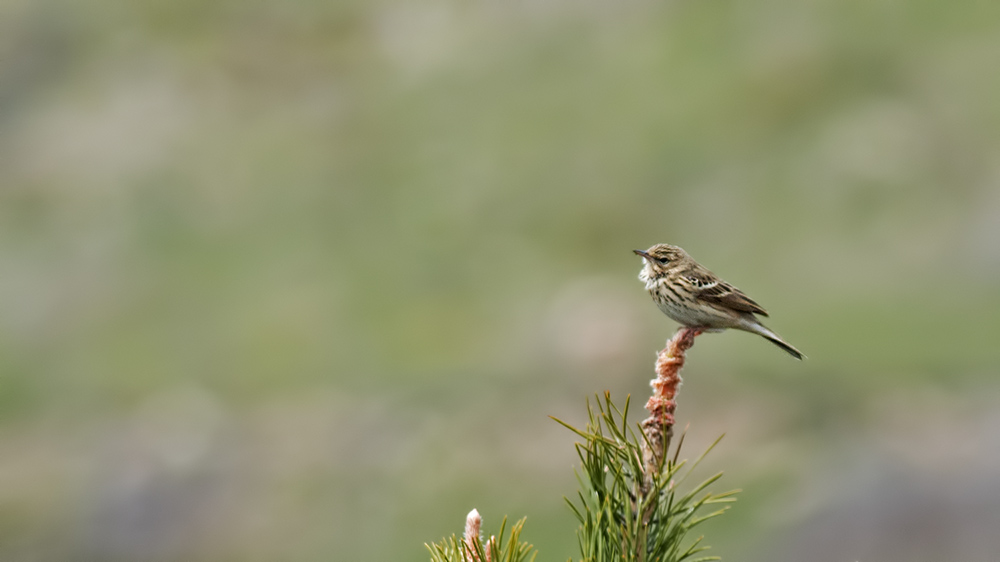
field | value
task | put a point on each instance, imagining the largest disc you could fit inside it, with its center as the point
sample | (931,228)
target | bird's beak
(641,253)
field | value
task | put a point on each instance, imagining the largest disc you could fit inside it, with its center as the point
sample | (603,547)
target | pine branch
(630,507)
(658,427)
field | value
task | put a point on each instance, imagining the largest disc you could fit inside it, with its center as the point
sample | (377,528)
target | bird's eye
(663,260)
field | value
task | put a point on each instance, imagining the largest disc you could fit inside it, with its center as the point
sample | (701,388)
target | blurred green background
(303,280)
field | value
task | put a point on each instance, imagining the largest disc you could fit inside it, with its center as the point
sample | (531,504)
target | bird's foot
(695,331)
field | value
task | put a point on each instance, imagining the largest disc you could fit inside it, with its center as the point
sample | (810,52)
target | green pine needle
(455,549)
(617,520)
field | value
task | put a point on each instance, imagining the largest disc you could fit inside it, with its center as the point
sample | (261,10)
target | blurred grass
(346,239)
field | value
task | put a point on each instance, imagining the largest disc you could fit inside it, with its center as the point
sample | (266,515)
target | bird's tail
(764,331)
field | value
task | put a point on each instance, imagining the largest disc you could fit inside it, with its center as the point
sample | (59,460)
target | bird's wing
(706,286)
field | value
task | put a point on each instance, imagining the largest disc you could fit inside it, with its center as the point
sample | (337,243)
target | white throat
(644,276)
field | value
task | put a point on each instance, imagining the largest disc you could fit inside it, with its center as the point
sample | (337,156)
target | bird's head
(659,260)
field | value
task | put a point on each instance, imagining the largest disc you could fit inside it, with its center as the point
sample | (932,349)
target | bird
(695,297)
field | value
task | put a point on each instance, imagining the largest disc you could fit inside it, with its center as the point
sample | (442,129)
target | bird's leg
(696,330)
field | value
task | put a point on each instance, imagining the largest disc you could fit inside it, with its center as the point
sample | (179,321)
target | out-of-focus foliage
(302,280)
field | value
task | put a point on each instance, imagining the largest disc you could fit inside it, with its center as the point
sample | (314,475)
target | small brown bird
(694,296)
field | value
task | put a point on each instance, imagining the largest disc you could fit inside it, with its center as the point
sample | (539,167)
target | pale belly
(696,316)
